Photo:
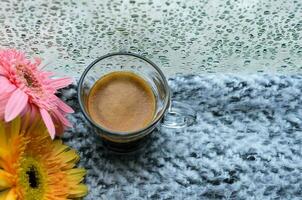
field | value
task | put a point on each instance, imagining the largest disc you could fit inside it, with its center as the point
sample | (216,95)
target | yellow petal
(69,156)
(3,153)
(3,135)
(11,195)
(78,191)
(59,147)
(3,195)
(41,126)
(5,180)
(25,121)
(2,163)
(75,176)
(15,127)
(8,195)
(1,126)
(36,124)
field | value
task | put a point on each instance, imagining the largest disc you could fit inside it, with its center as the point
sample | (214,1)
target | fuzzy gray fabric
(246,144)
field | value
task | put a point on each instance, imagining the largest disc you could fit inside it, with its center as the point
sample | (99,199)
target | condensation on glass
(205,36)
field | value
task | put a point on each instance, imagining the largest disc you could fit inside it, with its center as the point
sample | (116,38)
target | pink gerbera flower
(25,88)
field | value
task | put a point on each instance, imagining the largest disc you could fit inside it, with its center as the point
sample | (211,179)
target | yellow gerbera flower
(33,167)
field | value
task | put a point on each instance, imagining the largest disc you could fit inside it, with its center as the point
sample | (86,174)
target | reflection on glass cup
(168,113)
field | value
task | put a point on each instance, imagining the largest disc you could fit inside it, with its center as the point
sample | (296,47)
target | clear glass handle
(179,115)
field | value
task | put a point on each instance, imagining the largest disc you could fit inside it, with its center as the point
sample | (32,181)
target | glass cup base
(127,147)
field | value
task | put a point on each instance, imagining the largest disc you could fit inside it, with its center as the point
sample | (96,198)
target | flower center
(32,179)
(29,80)
(28,77)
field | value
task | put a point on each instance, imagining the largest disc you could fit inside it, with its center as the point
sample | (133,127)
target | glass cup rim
(118,133)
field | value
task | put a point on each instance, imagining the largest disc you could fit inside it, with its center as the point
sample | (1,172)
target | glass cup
(168,113)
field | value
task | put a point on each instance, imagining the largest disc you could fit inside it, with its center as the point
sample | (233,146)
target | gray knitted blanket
(246,144)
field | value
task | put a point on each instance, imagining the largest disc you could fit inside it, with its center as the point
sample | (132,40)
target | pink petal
(34,111)
(26,118)
(47,74)
(16,103)
(6,85)
(2,109)
(48,122)
(5,96)
(4,66)
(3,101)
(38,60)
(61,82)
(25,110)
(3,72)
(59,126)
(63,106)
(61,118)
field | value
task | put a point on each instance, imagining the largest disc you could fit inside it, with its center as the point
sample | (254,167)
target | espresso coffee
(121,102)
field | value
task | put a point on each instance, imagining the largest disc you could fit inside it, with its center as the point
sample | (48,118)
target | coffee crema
(121,102)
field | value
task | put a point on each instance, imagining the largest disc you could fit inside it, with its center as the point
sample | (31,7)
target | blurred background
(180,36)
